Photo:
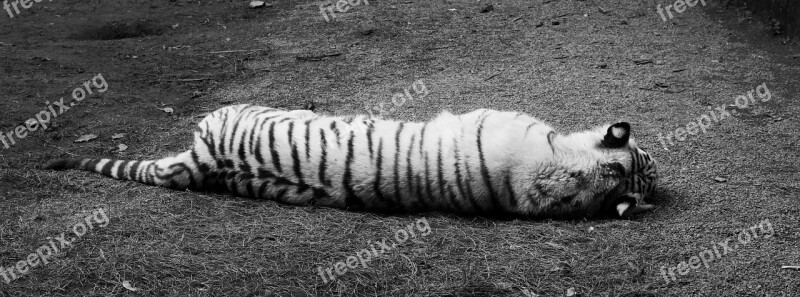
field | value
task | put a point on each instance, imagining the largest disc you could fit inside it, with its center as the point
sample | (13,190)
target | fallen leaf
(488,8)
(122,147)
(720,179)
(117,136)
(128,286)
(257,4)
(570,292)
(85,138)
(168,110)
(528,293)
(175,26)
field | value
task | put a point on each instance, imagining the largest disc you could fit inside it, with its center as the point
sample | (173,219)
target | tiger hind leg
(273,188)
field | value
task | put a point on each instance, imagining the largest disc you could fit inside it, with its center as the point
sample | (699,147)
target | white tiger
(481,162)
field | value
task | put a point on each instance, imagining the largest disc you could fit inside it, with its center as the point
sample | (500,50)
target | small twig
(62,150)
(679,70)
(491,77)
(790,267)
(438,48)
(317,58)
(237,51)
(517,19)
(562,15)
(187,79)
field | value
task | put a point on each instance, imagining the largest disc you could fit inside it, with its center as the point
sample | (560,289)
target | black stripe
(324,159)
(459,182)
(276,162)
(440,172)
(281,195)
(251,144)
(261,189)
(307,137)
(121,169)
(224,119)
(510,189)
(451,196)
(471,194)
(528,128)
(150,177)
(208,142)
(132,171)
(397,197)
(351,200)
(420,195)
(410,171)
(238,121)
(263,173)
(376,185)
(295,154)
(428,182)
(422,136)
(370,130)
(106,170)
(242,145)
(485,170)
(249,187)
(423,157)
(259,157)
(336,131)
(318,194)
(91,164)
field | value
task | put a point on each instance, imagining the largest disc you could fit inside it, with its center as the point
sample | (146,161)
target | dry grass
(168,243)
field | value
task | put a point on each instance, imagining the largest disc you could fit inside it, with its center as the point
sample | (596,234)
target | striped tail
(178,172)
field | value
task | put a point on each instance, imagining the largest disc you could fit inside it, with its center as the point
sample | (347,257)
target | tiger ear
(617,135)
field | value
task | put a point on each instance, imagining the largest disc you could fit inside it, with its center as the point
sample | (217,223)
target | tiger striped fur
(484,161)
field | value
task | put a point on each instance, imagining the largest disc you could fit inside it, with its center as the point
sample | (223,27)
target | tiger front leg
(631,204)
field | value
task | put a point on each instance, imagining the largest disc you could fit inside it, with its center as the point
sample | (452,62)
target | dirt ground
(574,64)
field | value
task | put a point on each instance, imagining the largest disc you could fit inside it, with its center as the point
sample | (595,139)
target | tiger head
(633,166)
